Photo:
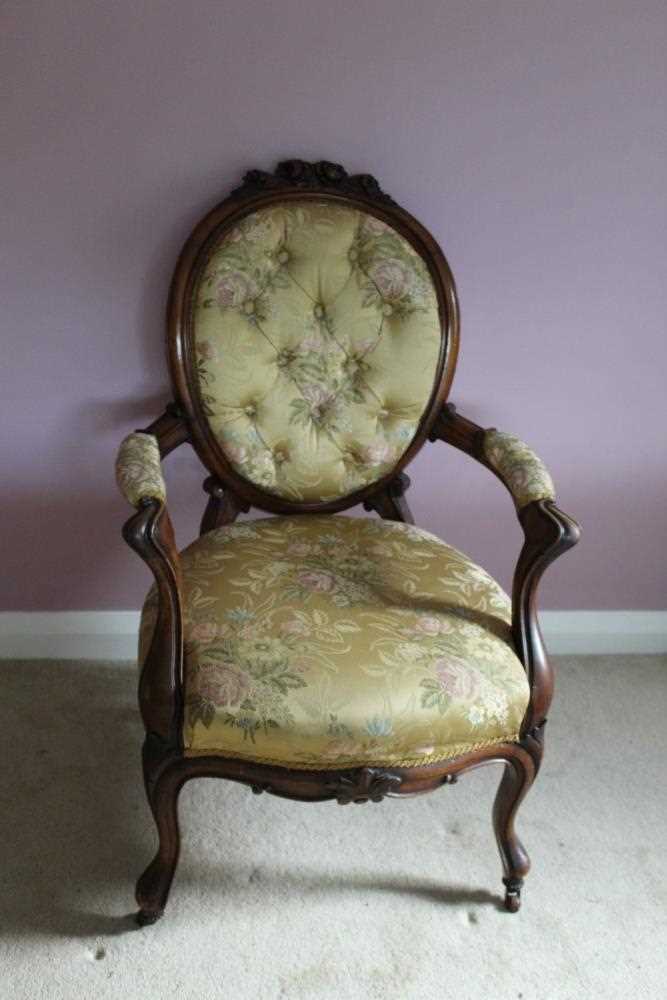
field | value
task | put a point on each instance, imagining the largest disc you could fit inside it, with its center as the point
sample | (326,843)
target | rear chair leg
(153,886)
(516,780)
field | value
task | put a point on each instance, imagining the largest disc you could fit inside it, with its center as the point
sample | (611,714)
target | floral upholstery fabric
(525,475)
(317,336)
(138,470)
(326,642)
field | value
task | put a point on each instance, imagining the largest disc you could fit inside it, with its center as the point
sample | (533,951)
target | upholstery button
(383,414)
(249,307)
(250,410)
(283,257)
(387,309)
(353,254)
(279,457)
(319,310)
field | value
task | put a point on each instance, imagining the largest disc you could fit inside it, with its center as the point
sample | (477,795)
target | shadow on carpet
(74,823)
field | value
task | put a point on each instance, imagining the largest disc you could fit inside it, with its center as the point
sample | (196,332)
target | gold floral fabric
(317,336)
(525,475)
(325,642)
(138,470)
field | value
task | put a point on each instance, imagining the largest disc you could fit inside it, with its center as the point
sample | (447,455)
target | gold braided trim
(455,750)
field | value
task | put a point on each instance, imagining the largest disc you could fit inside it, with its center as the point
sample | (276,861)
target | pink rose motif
(233,289)
(204,632)
(222,683)
(428,625)
(318,398)
(316,395)
(318,581)
(391,278)
(237,453)
(455,677)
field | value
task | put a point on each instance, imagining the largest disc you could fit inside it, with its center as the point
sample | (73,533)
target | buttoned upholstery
(318,338)
(326,642)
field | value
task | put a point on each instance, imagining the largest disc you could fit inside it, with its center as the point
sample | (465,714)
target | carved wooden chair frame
(548,533)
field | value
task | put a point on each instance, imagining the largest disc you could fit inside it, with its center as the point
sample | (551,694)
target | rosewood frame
(548,532)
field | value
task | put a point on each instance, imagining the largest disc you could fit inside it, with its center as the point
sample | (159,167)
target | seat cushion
(329,641)
(318,341)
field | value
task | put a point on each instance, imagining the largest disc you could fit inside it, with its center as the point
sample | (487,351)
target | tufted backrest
(316,337)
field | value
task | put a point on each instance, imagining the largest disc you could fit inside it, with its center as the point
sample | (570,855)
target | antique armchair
(313,331)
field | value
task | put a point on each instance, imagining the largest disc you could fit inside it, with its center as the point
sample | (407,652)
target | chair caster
(513,894)
(146,917)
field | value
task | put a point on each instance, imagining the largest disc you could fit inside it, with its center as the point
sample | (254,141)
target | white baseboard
(589,632)
(69,635)
(112,635)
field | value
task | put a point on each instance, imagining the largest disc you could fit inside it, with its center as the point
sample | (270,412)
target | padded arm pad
(138,470)
(525,475)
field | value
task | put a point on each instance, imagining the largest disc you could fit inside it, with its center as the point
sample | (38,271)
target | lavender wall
(529,136)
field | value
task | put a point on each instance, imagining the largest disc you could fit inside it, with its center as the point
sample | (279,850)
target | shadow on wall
(124,415)
(170,214)
(64,549)
(62,520)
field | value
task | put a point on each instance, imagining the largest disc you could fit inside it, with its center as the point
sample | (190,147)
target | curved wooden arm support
(170,429)
(548,532)
(150,533)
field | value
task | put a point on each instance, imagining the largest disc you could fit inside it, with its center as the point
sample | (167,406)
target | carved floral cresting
(322,175)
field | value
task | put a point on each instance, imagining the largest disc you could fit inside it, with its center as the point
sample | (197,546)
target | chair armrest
(548,533)
(138,469)
(523,473)
(150,533)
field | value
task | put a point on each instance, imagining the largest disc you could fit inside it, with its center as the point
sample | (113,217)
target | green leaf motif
(434,696)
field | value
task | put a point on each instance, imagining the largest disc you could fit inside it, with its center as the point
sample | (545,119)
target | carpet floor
(273,899)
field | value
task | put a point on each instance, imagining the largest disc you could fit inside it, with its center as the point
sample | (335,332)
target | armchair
(313,333)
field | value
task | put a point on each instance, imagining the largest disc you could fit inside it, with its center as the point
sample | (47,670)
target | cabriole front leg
(153,886)
(517,778)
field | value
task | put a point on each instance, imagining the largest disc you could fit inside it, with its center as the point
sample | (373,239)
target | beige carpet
(282,900)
